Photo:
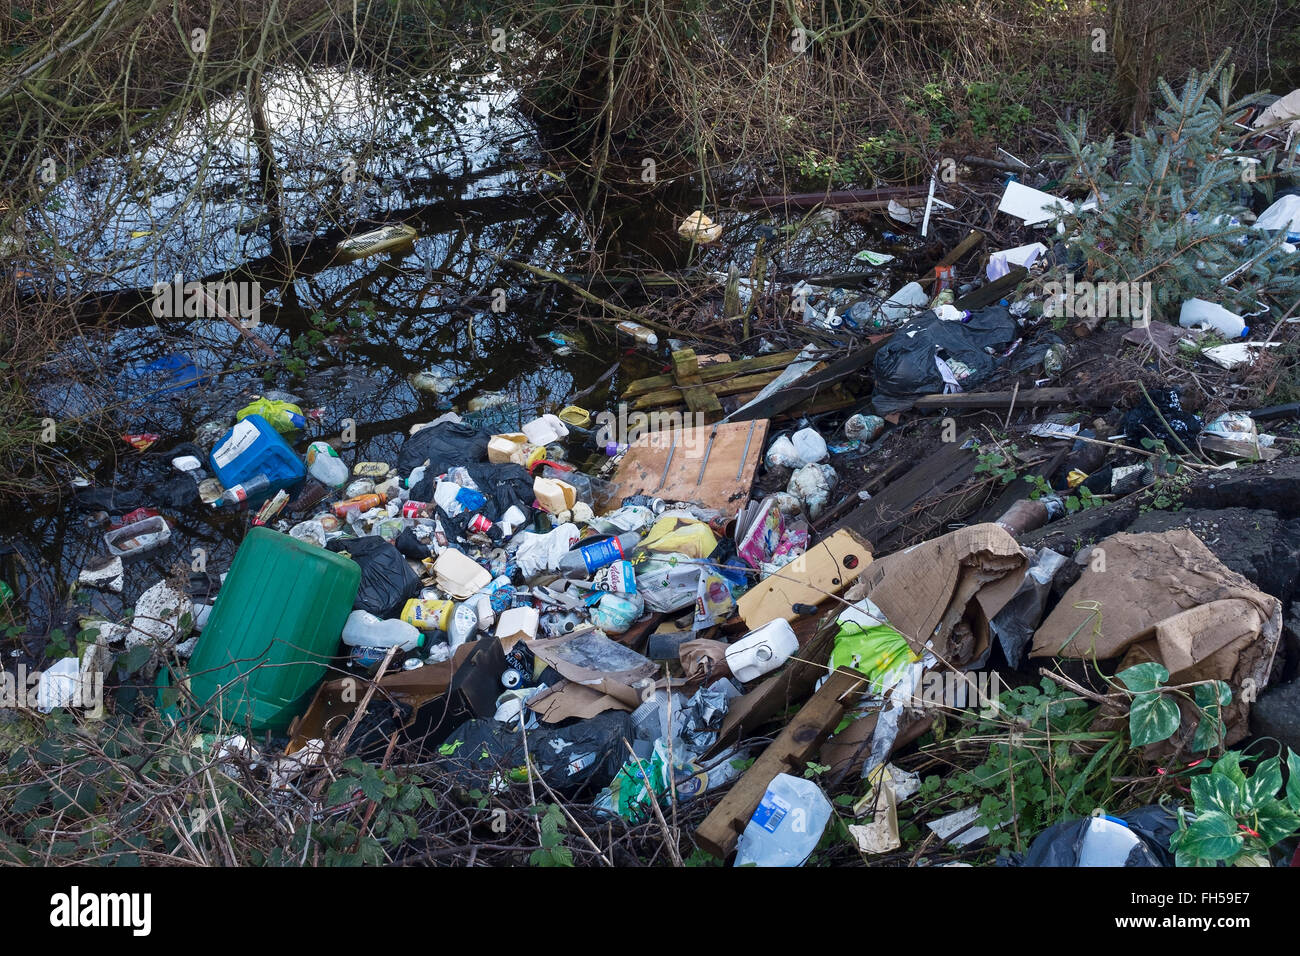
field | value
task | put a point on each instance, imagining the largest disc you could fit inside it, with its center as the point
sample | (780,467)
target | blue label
(771,811)
(596,556)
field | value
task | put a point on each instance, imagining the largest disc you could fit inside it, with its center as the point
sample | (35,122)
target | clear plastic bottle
(364,629)
(588,559)
(244,490)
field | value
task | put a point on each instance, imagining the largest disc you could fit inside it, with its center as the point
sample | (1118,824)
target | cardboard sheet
(946,590)
(826,568)
(1166,598)
(643,467)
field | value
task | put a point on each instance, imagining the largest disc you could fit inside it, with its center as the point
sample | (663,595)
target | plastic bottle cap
(1245,331)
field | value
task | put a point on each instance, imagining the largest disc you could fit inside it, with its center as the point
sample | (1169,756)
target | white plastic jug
(1198,312)
(762,650)
(787,824)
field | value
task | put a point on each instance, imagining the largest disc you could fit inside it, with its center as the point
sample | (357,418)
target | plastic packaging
(787,824)
(762,650)
(809,446)
(364,629)
(324,464)
(428,615)
(864,427)
(1198,312)
(284,416)
(590,558)
(139,536)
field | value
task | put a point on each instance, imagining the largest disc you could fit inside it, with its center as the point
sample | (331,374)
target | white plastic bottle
(363,629)
(325,465)
(787,824)
(1198,312)
(761,650)
(464,622)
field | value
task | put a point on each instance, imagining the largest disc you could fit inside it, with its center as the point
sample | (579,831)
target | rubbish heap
(743,603)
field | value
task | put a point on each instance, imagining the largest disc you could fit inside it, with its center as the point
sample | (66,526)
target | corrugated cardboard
(826,568)
(946,590)
(589,687)
(1166,598)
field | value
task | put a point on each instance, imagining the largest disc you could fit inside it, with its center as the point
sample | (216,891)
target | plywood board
(643,467)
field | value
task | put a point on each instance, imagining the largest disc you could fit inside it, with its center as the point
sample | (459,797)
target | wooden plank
(973,239)
(808,386)
(876,518)
(988,294)
(714,373)
(1025,397)
(788,686)
(840,197)
(800,739)
(732,386)
(642,468)
(698,398)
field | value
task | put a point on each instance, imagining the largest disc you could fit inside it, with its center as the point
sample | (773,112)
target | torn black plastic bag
(443,446)
(575,760)
(503,485)
(387,581)
(1064,844)
(905,367)
(1143,422)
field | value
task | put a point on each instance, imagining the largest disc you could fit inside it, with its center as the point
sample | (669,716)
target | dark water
(456,161)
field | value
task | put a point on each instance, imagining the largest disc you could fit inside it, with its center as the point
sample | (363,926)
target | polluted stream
(459,164)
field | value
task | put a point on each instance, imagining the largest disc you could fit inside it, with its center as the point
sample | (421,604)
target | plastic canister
(1196,312)
(253,447)
(273,631)
(428,615)
(762,650)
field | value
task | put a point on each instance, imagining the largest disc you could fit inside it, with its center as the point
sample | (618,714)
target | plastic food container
(138,536)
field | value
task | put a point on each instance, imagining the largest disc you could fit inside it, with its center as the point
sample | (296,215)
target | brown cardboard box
(826,568)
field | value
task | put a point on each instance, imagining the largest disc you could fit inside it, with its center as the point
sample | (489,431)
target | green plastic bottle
(273,631)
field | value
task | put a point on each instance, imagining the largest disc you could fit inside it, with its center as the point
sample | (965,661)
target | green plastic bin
(274,629)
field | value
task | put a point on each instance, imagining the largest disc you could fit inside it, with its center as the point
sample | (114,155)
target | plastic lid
(1245,331)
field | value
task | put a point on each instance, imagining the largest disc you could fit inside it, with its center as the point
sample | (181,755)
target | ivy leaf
(1143,677)
(1229,765)
(1214,836)
(1152,717)
(1293,780)
(1263,784)
(1216,792)
(1211,699)
(1274,822)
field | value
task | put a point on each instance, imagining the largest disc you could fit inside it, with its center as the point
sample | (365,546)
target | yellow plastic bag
(283,416)
(682,535)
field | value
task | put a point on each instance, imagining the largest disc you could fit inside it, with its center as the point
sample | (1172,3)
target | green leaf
(1213,836)
(1215,792)
(1229,765)
(1263,784)
(1275,822)
(1293,779)
(135,658)
(1152,717)
(1211,699)
(373,787)
(1143,677)
(341,791)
